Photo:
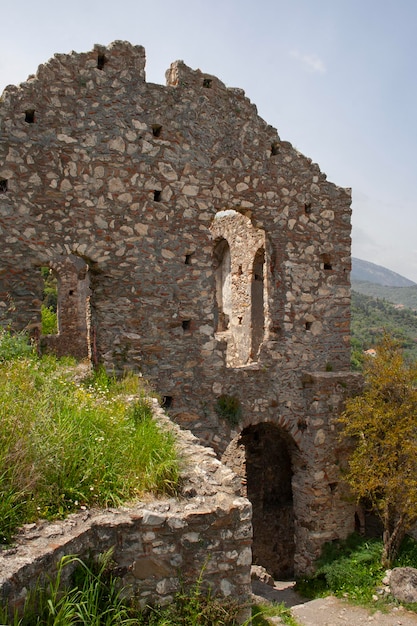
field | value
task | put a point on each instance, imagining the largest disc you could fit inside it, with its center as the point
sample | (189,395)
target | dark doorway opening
(261,455)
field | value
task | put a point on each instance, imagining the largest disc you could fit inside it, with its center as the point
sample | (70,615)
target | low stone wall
(157,544)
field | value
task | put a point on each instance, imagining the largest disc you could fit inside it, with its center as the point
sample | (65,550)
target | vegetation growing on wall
(229,408)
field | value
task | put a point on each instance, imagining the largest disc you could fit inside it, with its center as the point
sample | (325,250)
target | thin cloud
(311,62)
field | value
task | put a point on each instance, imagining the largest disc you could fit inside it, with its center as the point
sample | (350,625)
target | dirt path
(329,611)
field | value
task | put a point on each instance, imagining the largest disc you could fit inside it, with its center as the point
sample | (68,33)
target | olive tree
(383,424)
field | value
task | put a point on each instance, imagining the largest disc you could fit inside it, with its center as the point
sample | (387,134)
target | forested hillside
(397,295)
(371,316)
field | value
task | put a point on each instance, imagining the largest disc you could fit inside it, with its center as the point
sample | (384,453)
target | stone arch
(262,455)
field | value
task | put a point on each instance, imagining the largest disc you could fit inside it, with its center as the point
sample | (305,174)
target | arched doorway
(261,455)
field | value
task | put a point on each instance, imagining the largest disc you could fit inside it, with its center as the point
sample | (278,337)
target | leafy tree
(383,423)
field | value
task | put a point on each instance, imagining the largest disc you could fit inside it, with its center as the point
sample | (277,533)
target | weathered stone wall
(128,177)
(157,544)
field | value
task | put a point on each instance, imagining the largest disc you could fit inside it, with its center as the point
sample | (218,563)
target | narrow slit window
(274,148)
(307,208)
(157,195)
(186,325)
(101,61)
(222,264)
(188,259)
(309,325)
(327,264)
(4,185)
(167,402)
(207,83)
(156,130)
(30,116)
(257,302)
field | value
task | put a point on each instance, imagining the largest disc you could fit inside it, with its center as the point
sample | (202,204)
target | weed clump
(229,409)
(14,346)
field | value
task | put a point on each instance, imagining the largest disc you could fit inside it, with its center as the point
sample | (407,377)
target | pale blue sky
(337,78)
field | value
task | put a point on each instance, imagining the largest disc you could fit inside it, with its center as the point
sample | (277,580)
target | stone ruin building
(194,246)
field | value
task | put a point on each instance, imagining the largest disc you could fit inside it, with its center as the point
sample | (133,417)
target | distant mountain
(372,273)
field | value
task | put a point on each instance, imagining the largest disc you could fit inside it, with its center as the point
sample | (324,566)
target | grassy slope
(65,444)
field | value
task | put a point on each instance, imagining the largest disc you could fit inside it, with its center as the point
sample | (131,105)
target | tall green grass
(352,569)
(95,597)
(66,444)
(261,613)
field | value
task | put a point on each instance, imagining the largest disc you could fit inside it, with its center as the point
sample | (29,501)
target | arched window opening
(222,264)
(257,302)
(240,268)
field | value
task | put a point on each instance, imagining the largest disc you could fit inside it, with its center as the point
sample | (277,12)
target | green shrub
(49,321)
(14,345)
(229,409)
(50,288)
(407,556)
(350,568)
